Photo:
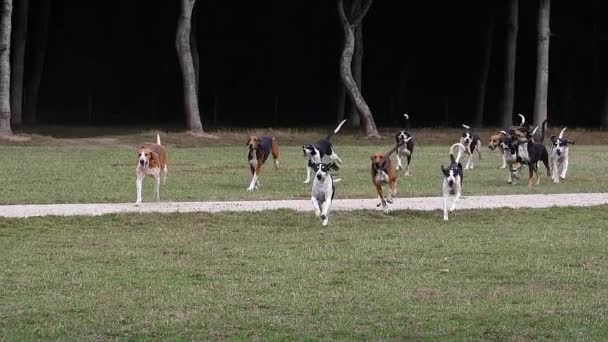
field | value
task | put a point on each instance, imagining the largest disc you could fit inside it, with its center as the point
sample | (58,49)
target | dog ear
(444,170)
(570,141)
(397,137)
(452,159)
(460,167)
(334,166)
(553,138)
(315,167)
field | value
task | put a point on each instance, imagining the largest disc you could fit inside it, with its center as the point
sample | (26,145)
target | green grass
(33,174)
(511,275)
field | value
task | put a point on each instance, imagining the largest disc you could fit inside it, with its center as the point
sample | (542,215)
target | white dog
(323,190)
(452,181)
(559,156)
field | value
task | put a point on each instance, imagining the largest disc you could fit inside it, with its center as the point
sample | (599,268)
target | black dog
(315,153)
(531,153)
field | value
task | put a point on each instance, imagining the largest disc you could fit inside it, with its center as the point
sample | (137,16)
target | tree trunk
(483,76)
(357,66)
(542,62)
(194,47)
(32,86)
(604,114)
(508,93)
(341,101)
(5,68)
(354,94)
(193,119)
(18,60)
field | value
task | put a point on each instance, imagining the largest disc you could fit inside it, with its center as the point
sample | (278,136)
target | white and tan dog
(152,162)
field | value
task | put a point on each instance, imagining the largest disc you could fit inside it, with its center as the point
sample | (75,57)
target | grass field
(94,173)
(492,275)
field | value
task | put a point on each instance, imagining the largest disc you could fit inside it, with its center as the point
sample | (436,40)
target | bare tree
(357,65)
(193,119)
(353,91)
(5,67)
(508,93)
(542,62)
(194,47)
(18,60)
(485,67)
(39,41)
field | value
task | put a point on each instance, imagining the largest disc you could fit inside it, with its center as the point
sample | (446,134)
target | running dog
(384,173)
(323,190)
(152,162)
(531,152)
(452,181)
(314,154)
(259,151)
(496,140)
(508,145)
(559,156)
(406,146)
(472,143)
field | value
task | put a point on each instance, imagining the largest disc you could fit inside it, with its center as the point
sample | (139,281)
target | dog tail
(461,146)
(406,121)
(157,139)
(523,120)
(466,126)
(392,150)
(561,133)
(337,129)
(542,134)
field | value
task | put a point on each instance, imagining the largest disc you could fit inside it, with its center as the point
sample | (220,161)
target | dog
(259,151)
(384,173)
(559,156)
(453,176)
(323,190)
(508,146)
(531,153)
(152,162)
(472,143)
(496,140)
(406,146)
(314,154)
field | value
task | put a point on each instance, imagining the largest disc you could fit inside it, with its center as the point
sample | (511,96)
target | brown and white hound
(259,151)
(152,161)
(383,173)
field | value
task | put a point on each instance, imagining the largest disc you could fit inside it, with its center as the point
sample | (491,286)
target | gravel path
(419,203)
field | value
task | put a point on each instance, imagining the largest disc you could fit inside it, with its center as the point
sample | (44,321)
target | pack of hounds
(517,146)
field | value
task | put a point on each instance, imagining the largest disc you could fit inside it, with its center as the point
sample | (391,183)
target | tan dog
(259,150)
(383,173)
(152,161)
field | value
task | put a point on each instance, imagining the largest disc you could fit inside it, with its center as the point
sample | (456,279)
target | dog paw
(323,217)
(407,174)
(378,205)
(250,189)
(306,181)
(445,218)
(325,221)
(386,211)
(317,213)
(399,167)
(137,204)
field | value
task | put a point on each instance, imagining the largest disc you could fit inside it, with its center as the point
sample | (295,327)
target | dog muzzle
(319,177)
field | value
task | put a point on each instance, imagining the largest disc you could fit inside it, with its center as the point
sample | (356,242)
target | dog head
(453,173)
(467,135)
(496,140)
(253,142)
(146,157)
(403,137)
(378,161)
(323,170)
(309,150)
(560,145)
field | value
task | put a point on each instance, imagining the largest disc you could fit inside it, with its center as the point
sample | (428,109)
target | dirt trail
(418,203)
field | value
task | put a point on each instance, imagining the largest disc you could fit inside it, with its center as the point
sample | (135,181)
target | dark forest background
(275,62)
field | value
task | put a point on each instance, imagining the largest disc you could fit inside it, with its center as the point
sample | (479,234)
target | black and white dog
(508,145)
(405,141)
(452,181)
(559,156)
(531,153)
(471,142)
(323,190)
(315,154)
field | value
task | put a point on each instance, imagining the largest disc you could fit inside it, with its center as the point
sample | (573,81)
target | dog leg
(554,171)
(308,171)
(165,175)
(504,162)
(381,197)
(157,187)
(254,181)
(531,175)
(276,164)
(407,167)
(325,211)
(564,168)
(456,198)
(315,205)
(445,207)
(392,191)
(139,185)
(468,166)
(334,156)
(399,166)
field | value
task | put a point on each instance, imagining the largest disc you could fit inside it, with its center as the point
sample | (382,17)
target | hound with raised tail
(323,190)
(452,181)
(559,156)
(472,143)
(259,151)
(404,140)
(152,161)
(314,154)
(496,140)
(531,152)
(384,173)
